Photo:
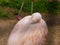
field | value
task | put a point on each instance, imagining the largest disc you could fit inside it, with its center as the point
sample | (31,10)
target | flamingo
(30,30)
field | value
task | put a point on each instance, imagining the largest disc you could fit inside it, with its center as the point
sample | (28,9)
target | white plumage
(30,30)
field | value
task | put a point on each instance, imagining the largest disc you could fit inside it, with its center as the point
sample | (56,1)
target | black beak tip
(19,18)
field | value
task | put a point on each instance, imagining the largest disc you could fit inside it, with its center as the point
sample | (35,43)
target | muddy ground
(53,23)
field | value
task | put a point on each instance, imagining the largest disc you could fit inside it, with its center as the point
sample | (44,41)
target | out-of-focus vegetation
(16,12)
(4,15)
(53,7)
(39,6)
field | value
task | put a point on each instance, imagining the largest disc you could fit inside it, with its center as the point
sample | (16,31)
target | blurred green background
(39,6)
